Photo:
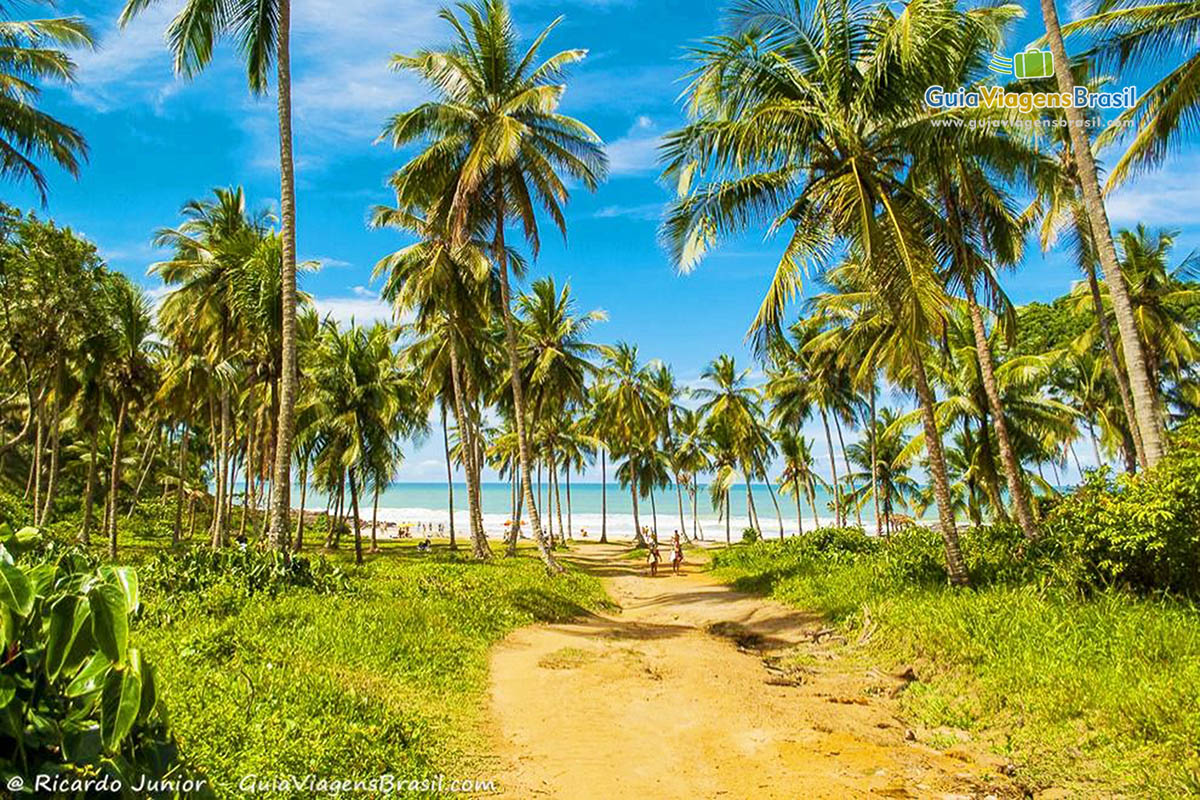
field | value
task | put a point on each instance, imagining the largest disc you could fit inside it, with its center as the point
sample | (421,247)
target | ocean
(427,504)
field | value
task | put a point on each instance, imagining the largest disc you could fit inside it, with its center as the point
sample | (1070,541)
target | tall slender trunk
(145,462)
(874,459)
(55,442)
(799,507)
(955,568)
(810,490)
(222,465)
(289,373)
(1110,348)
(570,523)
(775,502)
(1095,444)
(638,539)
(751,509)
(449,477)
(298,545)
(1150,426)
(375,522)
(514,366)
(728,522)
(603,497)
(89,492)
(177,529)
(991,483)
(34,484)
(849,473)
(474,468)
(358,552)
(114,480)
(562,532)
(692,492)
(1012,467)
(679,496)
(516,526)
(653,516)
(462,418)
(248,468)
(837,495)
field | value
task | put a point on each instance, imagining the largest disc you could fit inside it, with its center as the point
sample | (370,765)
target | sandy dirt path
(682,694)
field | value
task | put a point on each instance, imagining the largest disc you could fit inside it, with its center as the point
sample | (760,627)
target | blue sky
(157,141)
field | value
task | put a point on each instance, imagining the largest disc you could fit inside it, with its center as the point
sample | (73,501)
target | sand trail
(688,692)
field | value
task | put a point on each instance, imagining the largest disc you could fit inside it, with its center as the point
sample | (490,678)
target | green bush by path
(1099,688)
(385,678)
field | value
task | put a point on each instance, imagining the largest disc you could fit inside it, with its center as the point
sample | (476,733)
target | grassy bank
(1100,692)
(384,676)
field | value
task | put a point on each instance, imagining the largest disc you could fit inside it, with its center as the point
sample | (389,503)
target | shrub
(246,568)
(1142,531)
(78,701)
(749,535)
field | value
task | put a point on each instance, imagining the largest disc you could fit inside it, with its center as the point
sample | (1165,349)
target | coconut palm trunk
(679,496)
(289,373)
(55,444)
(89,492)
(299,543)
(114,480)
(479,544)
(728,523)
(955,568)
(603,498)
(558,506)
(799,506)
(837,496)
(570,523)
(449,477)
(358,552)
(177,528)
(1148,422)
(1012,467)
(653,516)
(638,539)
(849,473)
(775,502)
(874,461)
(1123,389)
(514,365)
(375,522)
(515,531)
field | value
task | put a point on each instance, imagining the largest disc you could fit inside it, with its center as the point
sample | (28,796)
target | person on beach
(653,557)
(425,545)
(676,554)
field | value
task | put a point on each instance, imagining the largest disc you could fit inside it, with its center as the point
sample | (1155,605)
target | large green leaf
(68,616)
(126,578)
(8,690)
(120,701)
(110,620)
(90,678)
(15,590)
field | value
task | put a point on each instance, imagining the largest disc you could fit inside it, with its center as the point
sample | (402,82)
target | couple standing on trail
(653,556)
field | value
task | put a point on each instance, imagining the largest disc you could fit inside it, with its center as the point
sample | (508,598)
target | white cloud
(647,211)
(637,151)
(362,306)
(1169,195)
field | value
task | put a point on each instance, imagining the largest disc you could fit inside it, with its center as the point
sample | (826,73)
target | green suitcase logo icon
(1033,64)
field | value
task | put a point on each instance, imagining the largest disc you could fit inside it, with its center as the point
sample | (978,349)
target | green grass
(1101,693)
(388,678)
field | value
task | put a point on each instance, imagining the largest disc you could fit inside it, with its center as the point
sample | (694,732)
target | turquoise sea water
(428,503)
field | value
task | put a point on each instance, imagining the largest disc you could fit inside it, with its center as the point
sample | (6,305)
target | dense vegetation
(171,426)
(1064,657)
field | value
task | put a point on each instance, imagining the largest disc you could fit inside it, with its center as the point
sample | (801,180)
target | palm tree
(691,457)
(263,34)
(798,476)
(667,396)
(628,409)
(496,142)
(883,454)
(1148,423)
(128,374)
(820,149)
(729,403)
(31,51)
(448,290)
